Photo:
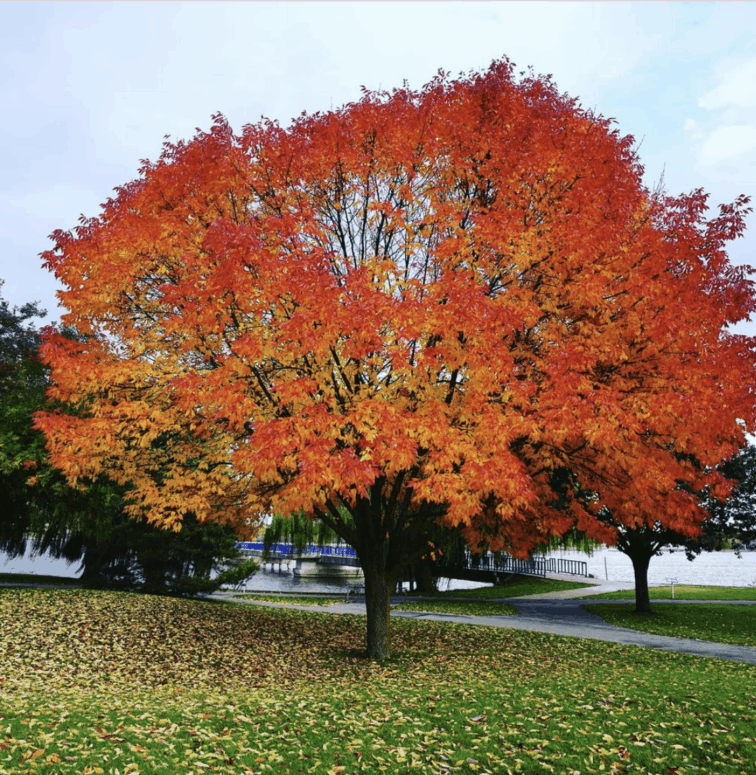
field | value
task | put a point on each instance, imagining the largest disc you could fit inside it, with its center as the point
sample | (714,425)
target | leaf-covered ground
(722,623)
(95,682)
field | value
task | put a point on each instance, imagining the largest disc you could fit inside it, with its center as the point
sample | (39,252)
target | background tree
(297,530)
(640,544)
(135,555)
(732,521)
(643,540)
(23,381)
(729,519)
(412,310)
(41,513)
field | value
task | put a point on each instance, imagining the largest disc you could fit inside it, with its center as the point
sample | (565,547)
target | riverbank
(606,565)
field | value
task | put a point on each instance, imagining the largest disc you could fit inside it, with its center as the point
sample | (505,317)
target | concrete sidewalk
(596,588)
(567,617)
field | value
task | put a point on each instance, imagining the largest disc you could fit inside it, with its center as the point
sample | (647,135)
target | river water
(720,569)
(715,568)
(270,578)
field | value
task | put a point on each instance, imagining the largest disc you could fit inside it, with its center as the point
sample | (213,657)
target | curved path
(568,617)
(560,616)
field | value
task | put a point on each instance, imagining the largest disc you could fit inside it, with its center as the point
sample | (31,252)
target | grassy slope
(97,682)
(683,592)
(253,597)
(517,587)
(717,623)
(33,578)
(465,607)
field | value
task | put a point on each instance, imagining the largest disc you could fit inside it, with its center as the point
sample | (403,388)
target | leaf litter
(97,683)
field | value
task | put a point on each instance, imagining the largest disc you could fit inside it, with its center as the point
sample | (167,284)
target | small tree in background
(727,521)
(640,544)
(299,531)
(23,381)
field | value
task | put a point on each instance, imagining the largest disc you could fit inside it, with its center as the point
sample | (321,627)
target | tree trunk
(378,588)
(386,539)
(640,562)
(424,579)
(92,562)
(640,545)
(380,580)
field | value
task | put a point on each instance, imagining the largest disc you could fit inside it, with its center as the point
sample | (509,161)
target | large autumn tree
(433,306)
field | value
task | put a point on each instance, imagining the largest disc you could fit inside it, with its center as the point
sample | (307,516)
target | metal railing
(536,566)
(572,567)
(346,555)
(489,562)
(506,564)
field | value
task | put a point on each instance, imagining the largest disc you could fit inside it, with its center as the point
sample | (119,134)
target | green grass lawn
(468,607)
(118,684)
(719,623)
(682,592)
(32,578)
(519,586)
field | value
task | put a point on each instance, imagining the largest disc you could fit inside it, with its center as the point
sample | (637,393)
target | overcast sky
(89,89)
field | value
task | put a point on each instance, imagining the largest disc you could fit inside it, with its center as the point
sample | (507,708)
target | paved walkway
(558,614)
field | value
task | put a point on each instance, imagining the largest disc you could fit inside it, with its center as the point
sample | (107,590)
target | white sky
(89,89)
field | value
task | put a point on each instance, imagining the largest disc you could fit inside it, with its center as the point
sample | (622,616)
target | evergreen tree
(23,380)
(733,520)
